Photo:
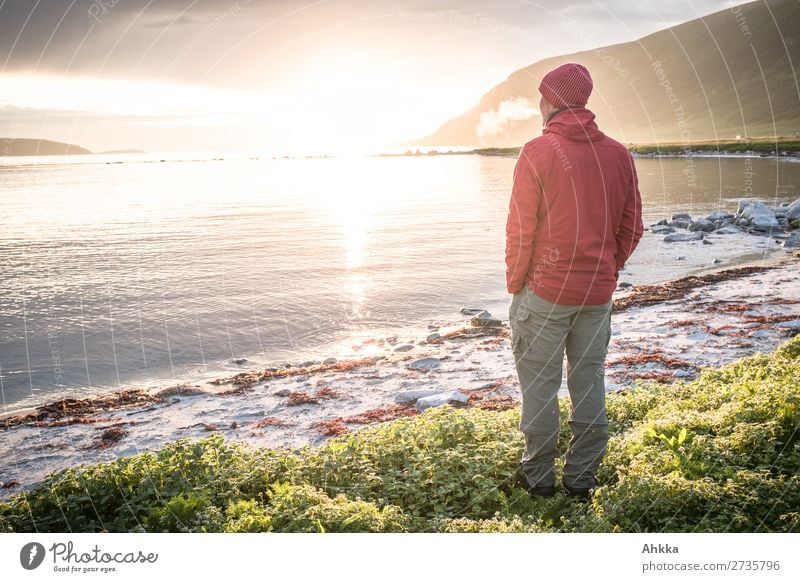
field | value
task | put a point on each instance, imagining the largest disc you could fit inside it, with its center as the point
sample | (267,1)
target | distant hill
(727,74)
(38,147)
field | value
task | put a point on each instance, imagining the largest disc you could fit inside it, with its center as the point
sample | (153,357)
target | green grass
(718,454)
(758,146)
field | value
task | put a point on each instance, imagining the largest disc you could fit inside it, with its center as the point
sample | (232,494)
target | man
(574,219)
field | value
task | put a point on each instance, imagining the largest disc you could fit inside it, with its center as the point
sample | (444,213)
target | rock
(307,364)
(661,229)
(743,203)
(454,397)
(760,216)
(681,373)
(680,258)
(719,215)
(471,311)
(704,225)
(730,229)
(624,285)
(716,261)
(760,333)
(764,222)
(682,237)
(433,337)
(330,360)
(780,212)
(791,325)
(282,392)
(662,222)
(411,396)
(404,348)
(425,364)
(485,319)
(793,210)
(791,242)
(707,242)
(680,223)
(682,216)
(238,361)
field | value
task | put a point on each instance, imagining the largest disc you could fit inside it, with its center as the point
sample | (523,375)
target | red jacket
(575,214)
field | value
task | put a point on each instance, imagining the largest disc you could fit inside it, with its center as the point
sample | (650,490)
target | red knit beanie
(567,85)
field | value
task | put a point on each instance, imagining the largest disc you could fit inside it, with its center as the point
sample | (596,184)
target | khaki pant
(541,332)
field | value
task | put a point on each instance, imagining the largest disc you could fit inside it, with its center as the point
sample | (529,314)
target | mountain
(734,72)
(38,147)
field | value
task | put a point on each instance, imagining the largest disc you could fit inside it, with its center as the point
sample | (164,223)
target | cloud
(509,111)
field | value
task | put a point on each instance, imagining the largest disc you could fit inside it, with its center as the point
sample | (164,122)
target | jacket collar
(575,123)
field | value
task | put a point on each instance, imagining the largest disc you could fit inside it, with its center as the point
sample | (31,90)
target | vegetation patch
(718,454)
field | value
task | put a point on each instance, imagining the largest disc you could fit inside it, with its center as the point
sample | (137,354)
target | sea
(146,270)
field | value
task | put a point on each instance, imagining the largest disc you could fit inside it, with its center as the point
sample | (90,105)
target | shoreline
(665,332)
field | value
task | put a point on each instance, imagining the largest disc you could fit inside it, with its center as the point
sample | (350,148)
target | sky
(320,76)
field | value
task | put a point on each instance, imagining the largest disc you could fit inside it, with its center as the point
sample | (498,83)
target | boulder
(661,229)
(765,223)
(791,242)
(454,397)
(485,319)
(684,237)
(793,210)
(680,223)
(411,396)
(704,225)
(425,364)
(743,203)
(682,216)
(719,215)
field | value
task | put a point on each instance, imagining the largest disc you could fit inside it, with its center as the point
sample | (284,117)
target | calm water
(135,273)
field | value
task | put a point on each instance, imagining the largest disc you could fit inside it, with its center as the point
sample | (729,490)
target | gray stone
(661,229)
(471,311)
(704,225)
(425,364)
(764,222)
(793,324)
(791,242)
(411,396)
(454,397)
(433,337)
(680,223)
(330,360)
(760,333)
(281,392)
(743,203)
(404,348)
(485,319)
(730,229)
(683,237)
(681,373)
(719,215)
(682,216)
(707,242)
(793,210)
(624,285)
(716,261)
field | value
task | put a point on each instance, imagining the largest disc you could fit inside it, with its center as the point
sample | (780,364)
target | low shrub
(718,454)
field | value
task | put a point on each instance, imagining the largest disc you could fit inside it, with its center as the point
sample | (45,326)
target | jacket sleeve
(630,228)
(522,223)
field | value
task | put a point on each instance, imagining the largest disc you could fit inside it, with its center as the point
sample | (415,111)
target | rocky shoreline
(663,332)
(752,217)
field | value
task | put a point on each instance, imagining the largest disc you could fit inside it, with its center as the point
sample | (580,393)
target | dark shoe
(537,491)
(581,492)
